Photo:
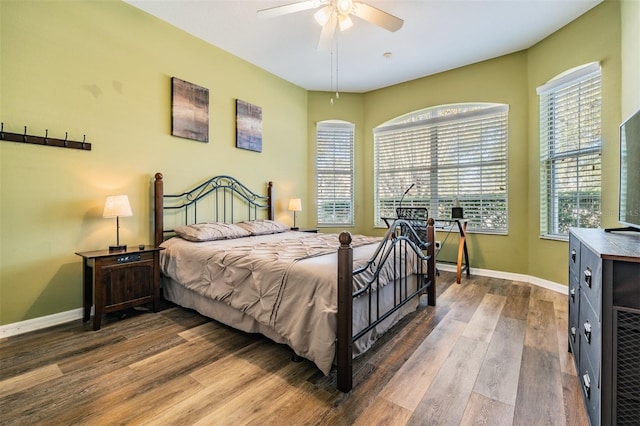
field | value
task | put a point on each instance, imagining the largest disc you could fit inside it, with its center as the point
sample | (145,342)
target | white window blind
(454,154)
(570,151)
(334,167)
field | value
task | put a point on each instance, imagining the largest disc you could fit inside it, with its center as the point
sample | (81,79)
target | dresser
(604,322)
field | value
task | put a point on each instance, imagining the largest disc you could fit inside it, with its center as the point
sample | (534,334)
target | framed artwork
(248,126)
(189,110)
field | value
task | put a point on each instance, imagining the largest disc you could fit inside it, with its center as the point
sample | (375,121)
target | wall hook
(44,140)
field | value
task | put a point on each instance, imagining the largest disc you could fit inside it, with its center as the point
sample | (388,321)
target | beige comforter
(284,281)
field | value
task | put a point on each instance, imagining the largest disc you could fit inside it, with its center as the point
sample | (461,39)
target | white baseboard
(549,285)
(41,322)
(75,314)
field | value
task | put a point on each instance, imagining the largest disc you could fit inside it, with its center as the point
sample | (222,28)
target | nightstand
(121,279)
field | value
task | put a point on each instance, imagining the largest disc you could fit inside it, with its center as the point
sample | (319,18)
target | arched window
(454,155)
(334,168)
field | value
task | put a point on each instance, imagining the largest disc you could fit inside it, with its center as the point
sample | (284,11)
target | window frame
(426,154)
(329,171)
(566,140)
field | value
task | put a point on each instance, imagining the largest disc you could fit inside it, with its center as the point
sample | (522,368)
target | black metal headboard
(219,199)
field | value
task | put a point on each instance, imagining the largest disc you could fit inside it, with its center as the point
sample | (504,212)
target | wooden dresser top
(623,245)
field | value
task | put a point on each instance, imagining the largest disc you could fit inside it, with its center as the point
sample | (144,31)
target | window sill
(564,238)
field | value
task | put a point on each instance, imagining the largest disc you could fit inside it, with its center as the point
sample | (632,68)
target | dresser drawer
(590,384)
(574,254)
(590,334)
(574,315)
(590,276)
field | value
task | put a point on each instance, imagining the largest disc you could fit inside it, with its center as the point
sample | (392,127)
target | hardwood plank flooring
(491,352)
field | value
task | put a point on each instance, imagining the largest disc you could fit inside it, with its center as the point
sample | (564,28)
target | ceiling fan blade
(326,36)
(289,8)
(377,16)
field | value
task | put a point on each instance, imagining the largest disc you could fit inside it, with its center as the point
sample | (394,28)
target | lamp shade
(117,206)
(295,205)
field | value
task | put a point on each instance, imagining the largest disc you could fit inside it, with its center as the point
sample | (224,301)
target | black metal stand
(624,228)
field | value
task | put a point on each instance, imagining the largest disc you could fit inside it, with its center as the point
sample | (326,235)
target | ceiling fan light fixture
(322,15)
(345,22)
(344,7)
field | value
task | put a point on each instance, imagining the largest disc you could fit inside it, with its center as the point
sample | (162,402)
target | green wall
(511,79)
(501,80)
(348,107)
(103,69)
(593,37)
(630,28)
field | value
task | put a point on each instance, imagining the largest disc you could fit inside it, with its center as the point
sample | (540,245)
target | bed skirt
(223,313)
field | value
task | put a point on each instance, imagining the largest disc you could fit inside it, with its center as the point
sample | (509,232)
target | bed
(327,296)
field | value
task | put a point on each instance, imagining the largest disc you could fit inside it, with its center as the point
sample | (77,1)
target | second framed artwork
(248,126)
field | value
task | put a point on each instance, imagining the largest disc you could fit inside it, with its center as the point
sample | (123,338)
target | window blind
(455,154)
(334,168)
(570,151)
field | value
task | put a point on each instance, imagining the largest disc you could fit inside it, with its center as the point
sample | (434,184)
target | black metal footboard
(401,242)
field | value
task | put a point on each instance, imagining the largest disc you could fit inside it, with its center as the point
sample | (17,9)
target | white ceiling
(437,35)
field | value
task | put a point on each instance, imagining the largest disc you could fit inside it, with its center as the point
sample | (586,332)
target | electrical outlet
(438,245)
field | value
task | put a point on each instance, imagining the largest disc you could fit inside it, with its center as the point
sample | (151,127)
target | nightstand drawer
(127,284)
(126,258)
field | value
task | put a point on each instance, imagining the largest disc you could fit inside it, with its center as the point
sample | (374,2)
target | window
(454,154)
(334,168)
(570,147)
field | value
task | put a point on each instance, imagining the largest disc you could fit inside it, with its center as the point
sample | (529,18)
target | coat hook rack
(44,140)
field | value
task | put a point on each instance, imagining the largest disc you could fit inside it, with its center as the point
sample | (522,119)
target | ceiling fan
(334,13)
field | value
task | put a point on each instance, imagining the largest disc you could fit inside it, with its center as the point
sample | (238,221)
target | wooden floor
(491,352)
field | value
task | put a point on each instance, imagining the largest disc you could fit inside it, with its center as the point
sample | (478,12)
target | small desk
(462,244)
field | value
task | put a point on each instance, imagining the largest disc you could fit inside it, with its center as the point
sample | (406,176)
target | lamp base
(122,247)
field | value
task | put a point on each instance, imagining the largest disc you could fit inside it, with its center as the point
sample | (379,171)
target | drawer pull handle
(573,333)
(587,332)
(573,255)
(587,276)
(573,295)
(586,384)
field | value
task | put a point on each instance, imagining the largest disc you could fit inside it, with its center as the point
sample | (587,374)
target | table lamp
(117,206)
(295,205)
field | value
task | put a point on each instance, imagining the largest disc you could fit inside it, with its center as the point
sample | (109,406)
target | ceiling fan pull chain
(337,90)
(331,73)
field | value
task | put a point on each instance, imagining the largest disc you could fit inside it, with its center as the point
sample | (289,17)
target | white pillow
(263,226)
(210,231)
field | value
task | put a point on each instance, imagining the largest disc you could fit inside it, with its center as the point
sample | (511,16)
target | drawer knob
(586,384)
(587,276)
(587,332)
(573,255)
